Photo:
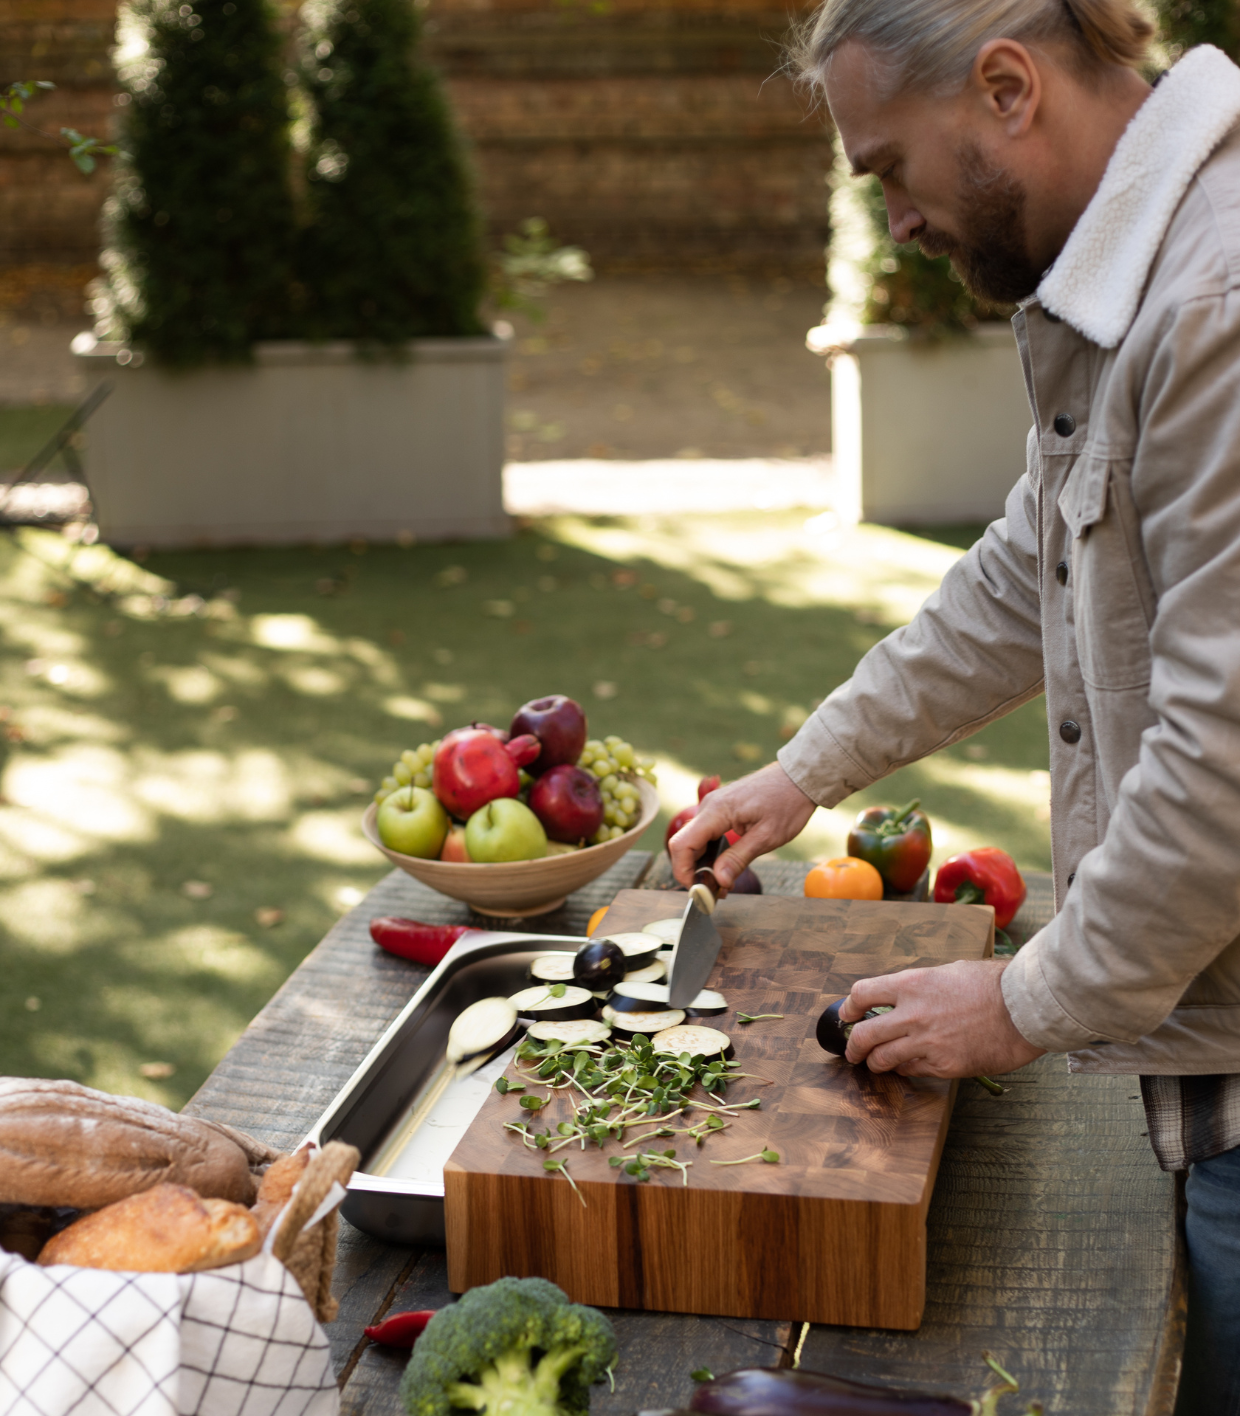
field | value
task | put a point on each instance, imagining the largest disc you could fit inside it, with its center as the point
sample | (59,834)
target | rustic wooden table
(1052,1235)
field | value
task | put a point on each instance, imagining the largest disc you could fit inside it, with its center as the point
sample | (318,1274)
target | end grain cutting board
(835,1233)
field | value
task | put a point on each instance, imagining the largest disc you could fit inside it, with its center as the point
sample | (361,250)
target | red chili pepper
(986,876)
(401,1329)
(407,939)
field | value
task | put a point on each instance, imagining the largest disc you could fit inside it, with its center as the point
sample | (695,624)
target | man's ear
(1006,81)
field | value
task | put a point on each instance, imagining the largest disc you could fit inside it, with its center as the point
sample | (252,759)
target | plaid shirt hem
(1191,1118)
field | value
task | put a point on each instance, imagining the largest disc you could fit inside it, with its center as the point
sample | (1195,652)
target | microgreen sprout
(755,1017)
(771,1157)
(562,1167)
(702,1374)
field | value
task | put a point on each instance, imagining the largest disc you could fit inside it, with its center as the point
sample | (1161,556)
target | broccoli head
(517,1347)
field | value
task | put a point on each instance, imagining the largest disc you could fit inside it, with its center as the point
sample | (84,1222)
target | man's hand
(767,809)
(949,1021)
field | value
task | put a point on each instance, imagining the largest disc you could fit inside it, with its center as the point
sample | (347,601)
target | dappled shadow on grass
(218,719)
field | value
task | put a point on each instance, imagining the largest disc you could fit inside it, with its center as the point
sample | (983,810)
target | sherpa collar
(1097,281)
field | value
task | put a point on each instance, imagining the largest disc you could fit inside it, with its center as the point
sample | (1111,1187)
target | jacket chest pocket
(1112,605)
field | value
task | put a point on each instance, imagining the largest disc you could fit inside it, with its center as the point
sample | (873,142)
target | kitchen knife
(699,943)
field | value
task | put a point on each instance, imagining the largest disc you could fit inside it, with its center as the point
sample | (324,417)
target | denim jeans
(1210,1381)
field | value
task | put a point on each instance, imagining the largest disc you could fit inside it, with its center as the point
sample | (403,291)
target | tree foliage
(201,226)
(392,247)
(1185,23)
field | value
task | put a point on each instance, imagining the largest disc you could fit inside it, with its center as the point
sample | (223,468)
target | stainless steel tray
(381,1095)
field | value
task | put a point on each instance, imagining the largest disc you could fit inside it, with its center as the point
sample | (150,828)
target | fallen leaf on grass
(197,890)
(156,1071)
(269,916)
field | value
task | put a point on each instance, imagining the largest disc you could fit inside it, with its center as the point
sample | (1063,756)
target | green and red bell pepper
(896,843)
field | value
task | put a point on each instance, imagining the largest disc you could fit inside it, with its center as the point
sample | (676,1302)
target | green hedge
(392,246)
(216,240)
(201,226)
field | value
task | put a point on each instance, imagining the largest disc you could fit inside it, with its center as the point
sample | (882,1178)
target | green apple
(505,829)
(412,822)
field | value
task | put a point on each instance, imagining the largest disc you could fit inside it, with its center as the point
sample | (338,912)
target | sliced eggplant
(707,1004)
(629,1024)
(599,964)
(573,1032)
(648,973)
(540,1003)
(484,1028)
(639,949)
(665,930)
(696,1041)
(553,968)
(630,997)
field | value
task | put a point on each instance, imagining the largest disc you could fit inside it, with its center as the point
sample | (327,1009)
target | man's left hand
(949,1021)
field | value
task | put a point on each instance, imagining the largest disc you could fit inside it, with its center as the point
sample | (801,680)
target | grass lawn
(221,718)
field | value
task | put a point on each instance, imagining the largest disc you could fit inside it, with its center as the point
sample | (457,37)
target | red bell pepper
(896,843)
(400,1329)
(986,876)
(407,939)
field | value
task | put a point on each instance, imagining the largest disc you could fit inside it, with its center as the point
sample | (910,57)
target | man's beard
(991,256)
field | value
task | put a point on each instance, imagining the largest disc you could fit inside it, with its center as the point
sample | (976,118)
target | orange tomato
(595,920)
(845,878)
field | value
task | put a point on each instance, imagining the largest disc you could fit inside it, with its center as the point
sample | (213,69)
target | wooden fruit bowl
(516,889)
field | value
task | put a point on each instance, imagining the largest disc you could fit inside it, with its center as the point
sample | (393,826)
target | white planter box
(927,433)
(308,444)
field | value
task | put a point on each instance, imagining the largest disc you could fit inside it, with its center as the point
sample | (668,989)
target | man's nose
(903,218)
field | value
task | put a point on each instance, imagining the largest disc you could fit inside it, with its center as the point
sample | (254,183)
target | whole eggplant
(765,1391)
(768,1391)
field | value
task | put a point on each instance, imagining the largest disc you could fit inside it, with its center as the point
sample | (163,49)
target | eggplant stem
(992,1087)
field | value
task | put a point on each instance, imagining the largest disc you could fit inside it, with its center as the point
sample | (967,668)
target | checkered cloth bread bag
(242,1340)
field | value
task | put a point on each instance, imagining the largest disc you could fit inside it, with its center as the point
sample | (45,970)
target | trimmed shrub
(200,230)
(392,246)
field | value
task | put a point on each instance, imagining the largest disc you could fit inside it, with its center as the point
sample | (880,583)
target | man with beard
(1019,138)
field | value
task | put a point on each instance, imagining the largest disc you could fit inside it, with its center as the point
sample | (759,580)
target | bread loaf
(167,1229)
(278,1184)
(64,1144)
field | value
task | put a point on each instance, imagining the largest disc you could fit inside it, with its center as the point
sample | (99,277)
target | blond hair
(932,43)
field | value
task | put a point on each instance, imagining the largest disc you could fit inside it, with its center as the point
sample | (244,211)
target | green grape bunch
(617,768)
(412,767)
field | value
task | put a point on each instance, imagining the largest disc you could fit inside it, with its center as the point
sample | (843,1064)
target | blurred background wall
(658,136)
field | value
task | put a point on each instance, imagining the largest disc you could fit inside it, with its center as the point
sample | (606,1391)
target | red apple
(472,767)
(683,817)
(558,723)
(568,802)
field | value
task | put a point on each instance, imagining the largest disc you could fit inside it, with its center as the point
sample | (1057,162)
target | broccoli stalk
(517,1347)
(512,1387)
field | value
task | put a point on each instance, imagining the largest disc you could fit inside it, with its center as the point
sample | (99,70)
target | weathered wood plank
(1050,1236)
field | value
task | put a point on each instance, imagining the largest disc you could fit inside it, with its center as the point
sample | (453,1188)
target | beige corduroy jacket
(1113,582)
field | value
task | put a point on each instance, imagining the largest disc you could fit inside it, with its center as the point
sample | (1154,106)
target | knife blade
(699,943)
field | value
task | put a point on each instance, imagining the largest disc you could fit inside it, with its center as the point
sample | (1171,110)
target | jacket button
(1061,572)
(1070,731)
(1071,878)
(1065,424)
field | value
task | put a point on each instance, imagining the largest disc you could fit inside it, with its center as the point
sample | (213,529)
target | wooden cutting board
(833,1233)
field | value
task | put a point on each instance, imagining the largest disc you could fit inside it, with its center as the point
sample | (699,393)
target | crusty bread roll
(278,1184)
(167,1229)
(64,1144)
